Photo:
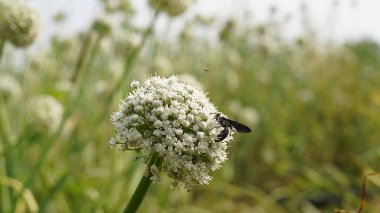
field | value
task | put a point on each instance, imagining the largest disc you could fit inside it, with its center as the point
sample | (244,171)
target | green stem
(2,42)
(129,62)
(85,49)
(5,161)
(142,188)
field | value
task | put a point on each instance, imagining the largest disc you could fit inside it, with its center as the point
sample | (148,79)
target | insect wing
(222,135)
(239,127)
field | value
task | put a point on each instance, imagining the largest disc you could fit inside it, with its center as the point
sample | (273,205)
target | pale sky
(350,20)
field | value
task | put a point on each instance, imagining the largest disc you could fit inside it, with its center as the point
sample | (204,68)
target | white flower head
(10,88)
(175,121)
(45,111)
(19,23)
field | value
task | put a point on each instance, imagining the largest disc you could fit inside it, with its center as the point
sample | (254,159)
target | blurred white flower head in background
(163,66)
(234,57)
(44,111)
(102,26)
(175,121)
(233,80)
(245,114)
(190,79)
(64,85)
(19,23)
(10,89)
(171,7)
(116,68)
(101,88)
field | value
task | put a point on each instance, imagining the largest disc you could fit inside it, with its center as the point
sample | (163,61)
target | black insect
(229,124)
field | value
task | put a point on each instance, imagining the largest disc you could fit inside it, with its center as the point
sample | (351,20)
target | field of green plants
(314,109)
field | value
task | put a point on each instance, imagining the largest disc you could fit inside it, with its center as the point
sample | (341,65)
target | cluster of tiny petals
(176,121)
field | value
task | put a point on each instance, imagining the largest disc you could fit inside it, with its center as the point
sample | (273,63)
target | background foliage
(314,108)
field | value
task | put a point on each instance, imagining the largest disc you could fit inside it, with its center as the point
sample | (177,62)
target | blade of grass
(54,190)
(6,162)
(25,192)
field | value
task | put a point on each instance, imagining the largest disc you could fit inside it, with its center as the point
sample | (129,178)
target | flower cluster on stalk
(177,122)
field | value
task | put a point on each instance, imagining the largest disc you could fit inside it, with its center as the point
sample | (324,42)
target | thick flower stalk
(175,122)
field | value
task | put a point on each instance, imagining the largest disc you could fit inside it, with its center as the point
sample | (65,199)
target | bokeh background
(303,75)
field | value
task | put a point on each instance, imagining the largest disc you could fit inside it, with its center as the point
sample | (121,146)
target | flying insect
(228,125)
